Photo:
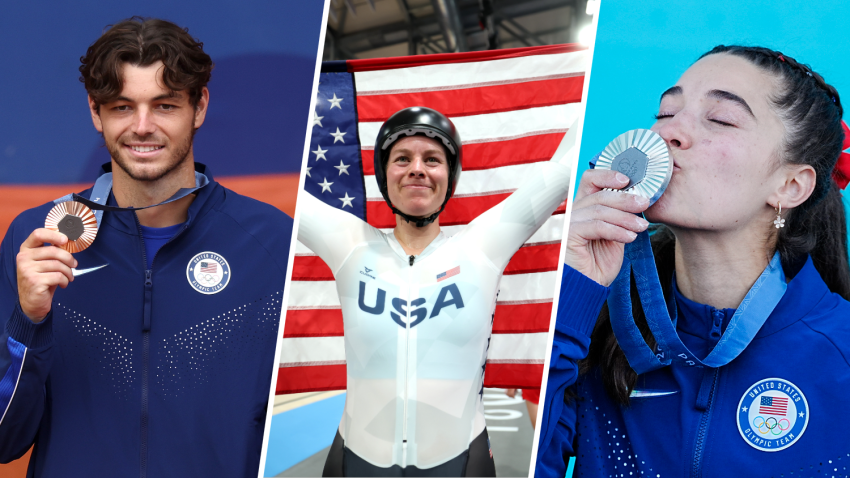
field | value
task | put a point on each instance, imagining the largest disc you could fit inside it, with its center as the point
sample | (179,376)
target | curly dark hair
(142,42)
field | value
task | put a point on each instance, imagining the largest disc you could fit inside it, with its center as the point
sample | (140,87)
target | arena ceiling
(384,28)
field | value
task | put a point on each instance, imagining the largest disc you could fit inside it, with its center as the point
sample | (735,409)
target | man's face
(148,129)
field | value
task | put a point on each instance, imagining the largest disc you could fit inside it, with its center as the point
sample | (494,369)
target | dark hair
(143,42)
(811,111)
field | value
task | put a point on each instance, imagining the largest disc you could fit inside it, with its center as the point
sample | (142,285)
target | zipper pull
(146,318)
(412,258)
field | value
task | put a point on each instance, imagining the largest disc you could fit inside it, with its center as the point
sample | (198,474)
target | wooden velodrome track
(279,190)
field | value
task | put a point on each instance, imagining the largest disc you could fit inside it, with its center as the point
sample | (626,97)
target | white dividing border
(567,215)
(292,244)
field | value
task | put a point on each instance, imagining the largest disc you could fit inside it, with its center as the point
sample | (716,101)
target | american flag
(449,273)
(208,267)
(512,108)
(773,405)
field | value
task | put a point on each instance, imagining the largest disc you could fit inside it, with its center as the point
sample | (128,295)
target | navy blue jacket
(777,409)
(136,372)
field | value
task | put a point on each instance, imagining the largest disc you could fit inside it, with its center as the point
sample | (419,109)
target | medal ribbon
(103,186)
(757,305)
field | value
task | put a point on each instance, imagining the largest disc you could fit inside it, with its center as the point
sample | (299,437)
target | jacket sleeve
(26,352)
(500,231)
(579,304)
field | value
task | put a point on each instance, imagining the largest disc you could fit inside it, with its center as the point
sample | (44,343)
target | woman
(417,306)
(749,130)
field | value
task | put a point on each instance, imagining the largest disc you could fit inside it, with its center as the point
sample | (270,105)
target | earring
(779,222)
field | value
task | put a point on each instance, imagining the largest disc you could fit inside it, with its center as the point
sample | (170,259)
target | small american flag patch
(449,273)
(773,405)
(210,267)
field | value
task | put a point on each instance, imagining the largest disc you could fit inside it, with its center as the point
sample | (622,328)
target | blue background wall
(643,47)
(265,54)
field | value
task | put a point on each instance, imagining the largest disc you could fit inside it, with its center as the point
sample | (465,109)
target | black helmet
(427,122)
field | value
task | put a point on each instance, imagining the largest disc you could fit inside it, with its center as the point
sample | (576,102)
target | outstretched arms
(502,230)
(329,232)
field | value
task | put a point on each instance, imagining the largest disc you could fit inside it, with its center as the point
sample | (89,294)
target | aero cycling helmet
(423,121)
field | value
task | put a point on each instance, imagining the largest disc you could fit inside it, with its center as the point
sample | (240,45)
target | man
(156,359)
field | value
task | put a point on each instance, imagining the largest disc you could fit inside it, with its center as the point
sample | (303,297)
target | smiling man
(149,353)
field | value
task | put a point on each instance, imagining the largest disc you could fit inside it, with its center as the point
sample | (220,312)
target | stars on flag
(320,153)
(346,201)
(338,180)
(326,186)
(343,168)
(335,102)
(338,136)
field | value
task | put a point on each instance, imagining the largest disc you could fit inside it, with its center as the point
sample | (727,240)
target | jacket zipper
(146,327)
(406,364)
(699,448)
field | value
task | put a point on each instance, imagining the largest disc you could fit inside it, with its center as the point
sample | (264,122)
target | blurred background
(253,137)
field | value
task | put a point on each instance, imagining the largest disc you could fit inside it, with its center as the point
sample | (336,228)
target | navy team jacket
(779,409)
(138,372)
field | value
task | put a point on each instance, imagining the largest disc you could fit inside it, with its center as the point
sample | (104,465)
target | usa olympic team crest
(208,273)
(772,414)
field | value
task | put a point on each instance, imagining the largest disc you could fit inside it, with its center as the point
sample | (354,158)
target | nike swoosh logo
(650,393)
(79,272)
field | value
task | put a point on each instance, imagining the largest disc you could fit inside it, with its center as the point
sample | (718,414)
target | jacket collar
(125,221)
(804,292)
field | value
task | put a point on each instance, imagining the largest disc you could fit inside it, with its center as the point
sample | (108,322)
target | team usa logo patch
(208,273)
(772,414)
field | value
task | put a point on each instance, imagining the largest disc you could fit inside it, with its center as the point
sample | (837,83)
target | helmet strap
(420,221)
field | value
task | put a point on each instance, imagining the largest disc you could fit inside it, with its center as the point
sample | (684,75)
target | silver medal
(643,156)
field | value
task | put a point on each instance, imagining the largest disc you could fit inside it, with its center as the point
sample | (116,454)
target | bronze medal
(76,221)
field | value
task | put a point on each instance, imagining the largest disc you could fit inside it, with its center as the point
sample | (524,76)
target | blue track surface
(300,433)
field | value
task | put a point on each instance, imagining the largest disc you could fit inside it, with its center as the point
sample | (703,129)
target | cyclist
(417,305)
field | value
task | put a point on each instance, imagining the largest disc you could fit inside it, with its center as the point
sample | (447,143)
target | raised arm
(502,230)
(330,232)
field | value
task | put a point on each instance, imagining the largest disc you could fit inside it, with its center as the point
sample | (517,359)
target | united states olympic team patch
(208,273)
(772,414)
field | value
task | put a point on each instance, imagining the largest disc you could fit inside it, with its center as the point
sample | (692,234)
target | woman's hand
(602,222)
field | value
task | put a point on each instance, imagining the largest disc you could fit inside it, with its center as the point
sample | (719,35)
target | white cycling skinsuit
(415,345)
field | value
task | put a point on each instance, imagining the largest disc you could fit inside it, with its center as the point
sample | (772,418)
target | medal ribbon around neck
(72,213)
(749,317)
(103,186)
(642,155)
